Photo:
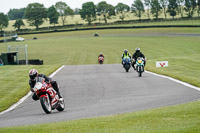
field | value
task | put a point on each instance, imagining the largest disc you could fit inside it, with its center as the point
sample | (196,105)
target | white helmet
(137,49)
(33,73)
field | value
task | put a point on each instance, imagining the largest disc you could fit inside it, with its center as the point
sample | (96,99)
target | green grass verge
(74,48)
(175,119)
(14,82)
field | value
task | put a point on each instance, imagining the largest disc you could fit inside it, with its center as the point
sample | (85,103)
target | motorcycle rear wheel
(46,105)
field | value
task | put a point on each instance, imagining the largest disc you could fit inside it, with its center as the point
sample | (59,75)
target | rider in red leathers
(33,73)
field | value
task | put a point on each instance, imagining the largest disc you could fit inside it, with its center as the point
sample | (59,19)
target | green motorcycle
(140,66)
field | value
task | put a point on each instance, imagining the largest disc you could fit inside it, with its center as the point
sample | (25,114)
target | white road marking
(25,97)
(175,80)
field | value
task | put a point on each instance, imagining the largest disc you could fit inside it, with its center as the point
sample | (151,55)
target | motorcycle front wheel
(46,105)
(139,74)
(127,67)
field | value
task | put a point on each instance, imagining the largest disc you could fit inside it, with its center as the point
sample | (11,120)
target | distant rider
(125,54)
(101,55)
(136,55)
(33,73)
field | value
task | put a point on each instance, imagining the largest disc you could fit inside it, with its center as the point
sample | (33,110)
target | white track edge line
(29,93)
(175,80)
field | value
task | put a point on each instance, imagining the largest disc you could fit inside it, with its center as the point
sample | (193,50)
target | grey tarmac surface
(98,90)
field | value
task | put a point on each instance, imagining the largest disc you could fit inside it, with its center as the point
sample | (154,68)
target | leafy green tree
(172,7)
(53,15)
(77,11)
(35,14)
(147,3)
(88,12)
(105,10)
(198,7)
(190,6)
(69,12)
(164,4)
(138,8)
(64,11)
(180,8)
(18,24)
(15,14)
(3,21)
(155,8)
(122,9)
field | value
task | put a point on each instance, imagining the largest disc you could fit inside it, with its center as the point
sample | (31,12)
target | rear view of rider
(136,55)
(33,73)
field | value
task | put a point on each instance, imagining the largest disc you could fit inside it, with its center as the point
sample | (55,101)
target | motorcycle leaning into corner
(139,66)
(126,62)
(49,98)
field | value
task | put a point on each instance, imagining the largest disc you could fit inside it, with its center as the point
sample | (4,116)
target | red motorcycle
(101,59)
(49,98)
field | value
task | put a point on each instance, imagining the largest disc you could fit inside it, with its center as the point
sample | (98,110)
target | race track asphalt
(98,90)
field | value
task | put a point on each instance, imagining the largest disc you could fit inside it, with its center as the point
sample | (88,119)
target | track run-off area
(99,90)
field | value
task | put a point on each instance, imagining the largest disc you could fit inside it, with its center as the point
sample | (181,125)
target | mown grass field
(75,48)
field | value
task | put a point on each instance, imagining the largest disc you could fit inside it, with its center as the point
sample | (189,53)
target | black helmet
(137,50)
(33,74)
(125,51)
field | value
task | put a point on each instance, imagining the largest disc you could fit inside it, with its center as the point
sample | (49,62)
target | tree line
(36,13)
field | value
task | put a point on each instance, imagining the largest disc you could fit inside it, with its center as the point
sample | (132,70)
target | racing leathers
(135,56)
(101,55)
(124,55)
(47,80)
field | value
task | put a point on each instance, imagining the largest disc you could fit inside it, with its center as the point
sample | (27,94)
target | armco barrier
(112,27)
(109,27)
(35,62)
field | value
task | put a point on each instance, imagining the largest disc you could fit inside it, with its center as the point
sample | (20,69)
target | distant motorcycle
(100,60)
(140,66)
(126,63)
(49,98)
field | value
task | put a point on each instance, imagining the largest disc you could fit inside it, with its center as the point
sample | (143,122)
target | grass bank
(76,19)
(14,82)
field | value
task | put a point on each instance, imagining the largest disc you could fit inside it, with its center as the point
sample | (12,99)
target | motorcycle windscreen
(39,79)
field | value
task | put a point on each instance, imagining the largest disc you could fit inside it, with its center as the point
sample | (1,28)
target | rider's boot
(60,96)
(133,66)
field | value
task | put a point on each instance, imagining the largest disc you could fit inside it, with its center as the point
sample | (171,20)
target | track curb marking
(26,96)
(175,80)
